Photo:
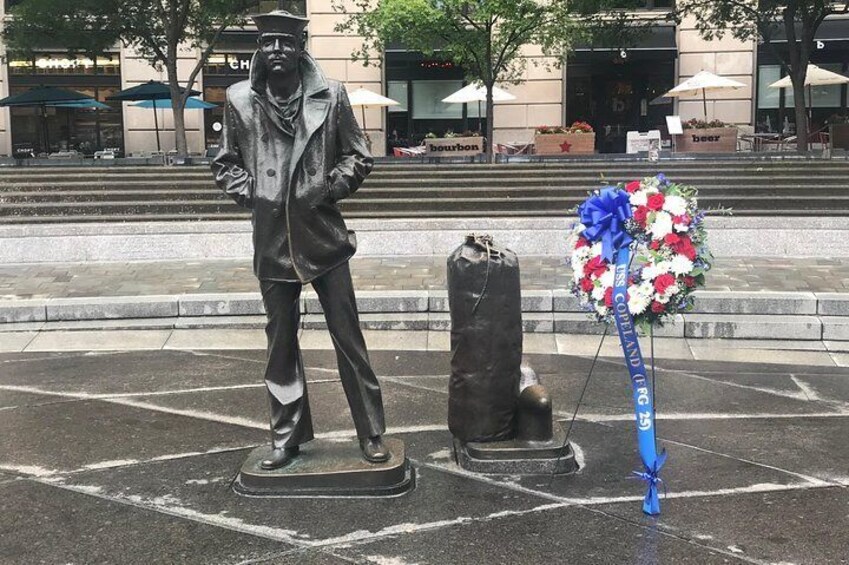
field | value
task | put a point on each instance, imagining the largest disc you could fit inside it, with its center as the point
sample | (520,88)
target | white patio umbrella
(476,92)
(362,97)
(815,76)
(704,81)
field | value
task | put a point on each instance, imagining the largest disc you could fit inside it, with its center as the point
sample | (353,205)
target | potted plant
(579,138)
(702,136)
(453,144)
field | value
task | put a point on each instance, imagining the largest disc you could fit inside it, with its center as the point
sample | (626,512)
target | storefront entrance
(80,129)
(620,90)
(419,85)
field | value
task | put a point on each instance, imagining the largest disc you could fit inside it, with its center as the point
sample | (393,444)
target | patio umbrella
(151,90)
(42,97)
(814,76)
(191,104)
(362,98)
(476,92)
(704,81)
(89,103)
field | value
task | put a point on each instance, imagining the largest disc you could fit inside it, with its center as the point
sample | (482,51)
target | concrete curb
(742,315)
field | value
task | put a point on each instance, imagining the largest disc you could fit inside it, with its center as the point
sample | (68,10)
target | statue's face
(280,52)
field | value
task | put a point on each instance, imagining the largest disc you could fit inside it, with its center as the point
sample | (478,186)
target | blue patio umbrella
(90,103)
(150,90)
(191,104)
(42,97)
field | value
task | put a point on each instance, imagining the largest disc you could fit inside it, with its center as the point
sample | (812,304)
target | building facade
(615,90)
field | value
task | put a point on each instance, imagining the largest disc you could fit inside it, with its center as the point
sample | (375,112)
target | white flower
(608,277)
(661,226)
(675,205)
(601,309)
(637,303)
(639,198)
(598,293)
(595,249)
(681,228)
(654,270)
(680,265)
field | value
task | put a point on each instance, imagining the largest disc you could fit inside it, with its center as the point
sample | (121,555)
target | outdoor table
(760,141)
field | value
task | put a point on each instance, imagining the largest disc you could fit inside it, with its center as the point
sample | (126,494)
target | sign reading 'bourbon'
(454,146)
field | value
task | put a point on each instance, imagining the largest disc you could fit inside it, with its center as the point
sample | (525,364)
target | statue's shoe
(280,458)
(374,450)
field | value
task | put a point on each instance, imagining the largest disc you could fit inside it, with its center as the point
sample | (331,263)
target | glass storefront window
(827,96)
(769,98)
(397,90)
(427,99)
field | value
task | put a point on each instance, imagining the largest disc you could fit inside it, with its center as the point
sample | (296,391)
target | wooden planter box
(838,135)
(564,143)
(708,140)
(453,146)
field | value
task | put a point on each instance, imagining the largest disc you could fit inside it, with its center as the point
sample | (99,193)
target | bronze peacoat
(298,232)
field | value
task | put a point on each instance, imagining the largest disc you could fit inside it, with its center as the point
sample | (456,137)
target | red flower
(586,284)
(657,307)
(689,281)
(663,282)
(640,215)
(654,245)
(581,243)
(595,266)
(633,186)
(682,219)
(655,201)
(682,245)
(608,297)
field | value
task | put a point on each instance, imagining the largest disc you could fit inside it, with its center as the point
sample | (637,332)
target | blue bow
(604,216)
(651,503)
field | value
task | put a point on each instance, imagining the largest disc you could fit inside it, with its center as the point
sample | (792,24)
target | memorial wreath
(639,252)
(661,222)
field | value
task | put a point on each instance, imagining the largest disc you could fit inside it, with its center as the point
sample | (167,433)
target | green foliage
(485,37)
(763,20)
(157,29)
(87,27)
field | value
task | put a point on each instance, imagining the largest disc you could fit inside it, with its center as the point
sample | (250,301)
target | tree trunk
(801,110)
(178,108)
(490,111)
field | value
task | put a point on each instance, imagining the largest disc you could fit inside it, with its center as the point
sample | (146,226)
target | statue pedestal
(517,457)
(328,468)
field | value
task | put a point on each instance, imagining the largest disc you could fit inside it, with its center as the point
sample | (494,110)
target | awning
(831,29)
(657,38)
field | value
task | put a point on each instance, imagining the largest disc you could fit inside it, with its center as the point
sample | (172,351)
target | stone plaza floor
(61,280)
(128,456)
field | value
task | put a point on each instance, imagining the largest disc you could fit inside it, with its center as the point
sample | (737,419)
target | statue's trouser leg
(291,424)
(336,293)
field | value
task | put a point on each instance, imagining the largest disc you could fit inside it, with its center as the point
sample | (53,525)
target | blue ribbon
(604,215)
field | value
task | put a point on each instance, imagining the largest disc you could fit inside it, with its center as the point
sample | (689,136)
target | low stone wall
(144,241)
(803,316)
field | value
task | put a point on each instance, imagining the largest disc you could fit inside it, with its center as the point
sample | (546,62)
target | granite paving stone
(757,470)
(555,535)
(801,526)
(56,438)
(43,524)
(202,485)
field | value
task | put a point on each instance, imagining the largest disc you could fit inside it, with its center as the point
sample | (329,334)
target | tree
(485,37)
(157,29)
(763,20)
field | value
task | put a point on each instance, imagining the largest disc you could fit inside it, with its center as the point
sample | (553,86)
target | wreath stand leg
(581,396)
